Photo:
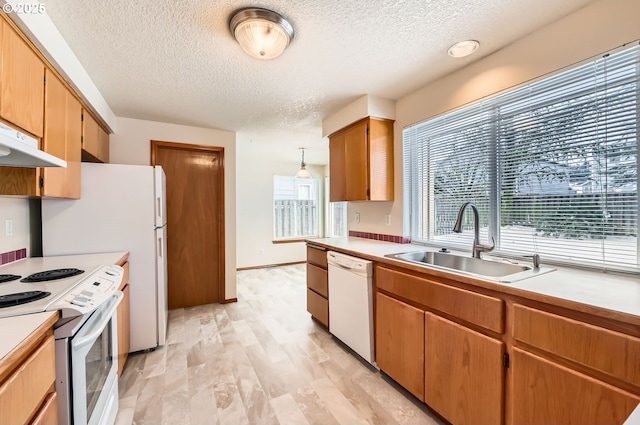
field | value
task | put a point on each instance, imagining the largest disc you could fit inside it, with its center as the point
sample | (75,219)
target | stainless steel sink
(486,269)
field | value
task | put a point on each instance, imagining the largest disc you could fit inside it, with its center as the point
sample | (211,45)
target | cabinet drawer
(607,351)
(125,275)
(48,414)
(317,256)
(317,280)
(482,310)
(318,306)
(23,392)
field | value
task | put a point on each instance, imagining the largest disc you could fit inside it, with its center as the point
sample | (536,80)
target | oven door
(94,366)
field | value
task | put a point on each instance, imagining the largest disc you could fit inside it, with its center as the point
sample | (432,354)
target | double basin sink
(482,268)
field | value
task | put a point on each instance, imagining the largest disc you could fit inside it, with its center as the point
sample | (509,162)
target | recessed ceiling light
(463,48)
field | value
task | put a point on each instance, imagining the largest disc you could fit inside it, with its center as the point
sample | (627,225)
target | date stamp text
(24,8)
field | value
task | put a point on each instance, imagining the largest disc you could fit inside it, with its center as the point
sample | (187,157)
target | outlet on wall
(261,251)
(357,217)
(387,219)
(8,227)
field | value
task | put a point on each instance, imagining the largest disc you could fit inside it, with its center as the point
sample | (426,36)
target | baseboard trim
(267,266)
(230,300)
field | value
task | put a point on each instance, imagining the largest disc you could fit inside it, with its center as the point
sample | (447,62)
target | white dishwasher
(351,302)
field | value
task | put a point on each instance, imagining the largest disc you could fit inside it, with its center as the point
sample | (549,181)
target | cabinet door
(95,141)
(21,83)
(547,393)
(464,375)
(123,329)
(62,139)
(400,343)
(337,169)
(356,162)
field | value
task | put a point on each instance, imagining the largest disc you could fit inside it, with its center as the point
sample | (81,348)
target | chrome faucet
(478,248)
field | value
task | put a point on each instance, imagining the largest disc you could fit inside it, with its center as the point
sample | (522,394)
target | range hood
(19,150)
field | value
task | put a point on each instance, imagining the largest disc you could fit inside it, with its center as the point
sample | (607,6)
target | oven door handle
(97,328)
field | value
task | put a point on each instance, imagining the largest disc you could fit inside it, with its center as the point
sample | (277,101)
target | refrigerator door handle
(159,207)
(160,247)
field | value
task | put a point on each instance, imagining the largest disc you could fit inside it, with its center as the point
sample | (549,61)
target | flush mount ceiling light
(463,48)
(302,172)
(261,33)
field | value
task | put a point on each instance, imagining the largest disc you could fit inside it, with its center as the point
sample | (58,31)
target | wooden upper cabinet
(62,133)
(62,127)
(95,141)
(21,83)
(337,168)
(361,161)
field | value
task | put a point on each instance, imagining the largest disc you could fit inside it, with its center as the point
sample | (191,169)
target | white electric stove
(34,285)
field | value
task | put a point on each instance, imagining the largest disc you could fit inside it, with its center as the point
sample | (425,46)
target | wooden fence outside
(295,218)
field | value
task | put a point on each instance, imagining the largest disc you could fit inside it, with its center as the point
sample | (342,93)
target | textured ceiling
(176,61)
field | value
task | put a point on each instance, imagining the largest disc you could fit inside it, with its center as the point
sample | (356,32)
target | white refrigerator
(122,208)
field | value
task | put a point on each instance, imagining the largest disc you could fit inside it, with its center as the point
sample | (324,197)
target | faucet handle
(536,260)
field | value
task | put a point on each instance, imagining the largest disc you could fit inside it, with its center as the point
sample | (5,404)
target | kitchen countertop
(14,330)
(63,261)
(613,295)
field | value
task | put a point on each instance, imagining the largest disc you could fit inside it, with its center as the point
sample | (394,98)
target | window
(336,213)
(296,208)
(551,166)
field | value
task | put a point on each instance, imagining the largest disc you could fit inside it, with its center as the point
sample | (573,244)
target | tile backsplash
(18,254)
(380,237)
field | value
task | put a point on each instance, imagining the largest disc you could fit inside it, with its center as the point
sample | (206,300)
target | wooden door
(62,133)
(195,222)
(337,169)
(545,392)
(464,375)
(357,162)
(400,343)
(21,83)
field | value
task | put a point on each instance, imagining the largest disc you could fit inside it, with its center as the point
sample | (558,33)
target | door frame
(155,144)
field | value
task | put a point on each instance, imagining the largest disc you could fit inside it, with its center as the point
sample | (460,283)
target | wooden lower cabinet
(318,284)
(400,343)
(464,374)
(545,392)
(27,380)
(48,414)
(124,333)
(123,329)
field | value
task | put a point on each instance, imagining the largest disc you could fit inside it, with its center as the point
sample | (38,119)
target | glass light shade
(261,33)
(463,48)
(303,173)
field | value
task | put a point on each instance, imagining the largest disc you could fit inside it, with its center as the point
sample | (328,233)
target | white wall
(595,29)
(131,145)
(17,210)
(255,245)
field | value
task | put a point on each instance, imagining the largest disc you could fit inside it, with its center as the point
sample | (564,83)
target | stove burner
(8,277)
(21,298)
(51,275)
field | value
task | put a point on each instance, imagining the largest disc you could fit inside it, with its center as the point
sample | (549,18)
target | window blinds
(551,166)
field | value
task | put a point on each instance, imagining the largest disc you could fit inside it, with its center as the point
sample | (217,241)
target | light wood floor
(261,360)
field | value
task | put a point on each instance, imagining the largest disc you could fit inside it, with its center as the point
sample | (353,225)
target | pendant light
(262,33)
(302,172)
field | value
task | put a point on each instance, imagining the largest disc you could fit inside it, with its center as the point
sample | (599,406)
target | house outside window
(551,166)
(296,208)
